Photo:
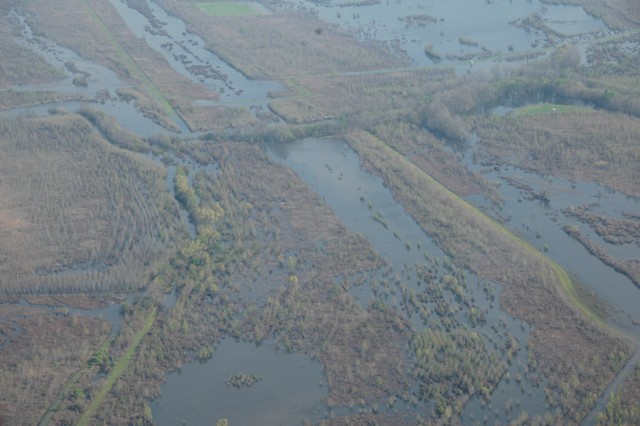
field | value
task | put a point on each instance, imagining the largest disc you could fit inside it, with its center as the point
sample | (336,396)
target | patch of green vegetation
(228,9)
(549,109)
(454,362)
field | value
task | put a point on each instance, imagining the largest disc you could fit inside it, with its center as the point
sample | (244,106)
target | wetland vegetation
(318,200)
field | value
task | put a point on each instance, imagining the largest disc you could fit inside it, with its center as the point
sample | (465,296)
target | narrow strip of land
(561,275)
(64,390)
(118,369)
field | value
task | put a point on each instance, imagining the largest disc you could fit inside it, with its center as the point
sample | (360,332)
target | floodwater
(187,54)
(541,225)
(333,170)
(100,90)
(410,25)
(98,79)
(291,388)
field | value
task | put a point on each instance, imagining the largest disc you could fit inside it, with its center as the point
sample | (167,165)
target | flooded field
(247,383)
(362,202)
(84,77)
(188,55)
(461,31)
(286,389)
(541,224)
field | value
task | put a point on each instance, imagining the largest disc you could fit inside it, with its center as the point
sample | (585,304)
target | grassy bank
(228,9)
(66,387)
(535,289)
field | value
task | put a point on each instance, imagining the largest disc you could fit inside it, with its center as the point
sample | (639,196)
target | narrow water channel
(541,225)
(187,54)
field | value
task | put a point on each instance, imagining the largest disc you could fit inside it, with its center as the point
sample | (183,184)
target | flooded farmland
(367,207)
(463,31)
(290,388)
(343,302)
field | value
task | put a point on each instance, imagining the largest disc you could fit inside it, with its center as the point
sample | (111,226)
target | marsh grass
(578,144)
(79,213)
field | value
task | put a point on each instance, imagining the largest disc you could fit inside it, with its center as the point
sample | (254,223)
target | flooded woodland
(333,212)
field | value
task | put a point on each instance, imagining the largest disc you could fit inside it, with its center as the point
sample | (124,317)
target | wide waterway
(187,54)
(541,225)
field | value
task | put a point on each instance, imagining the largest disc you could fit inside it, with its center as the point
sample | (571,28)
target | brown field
(592,146)
(25,67)
(78,214)
(47,349)
(428,152)
(363,94)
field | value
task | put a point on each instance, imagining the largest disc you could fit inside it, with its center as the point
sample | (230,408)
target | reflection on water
(289,390)
(359,199)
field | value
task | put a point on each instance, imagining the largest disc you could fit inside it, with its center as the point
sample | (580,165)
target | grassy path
(614,386)
(118,369)
(486,221)
(64,390)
